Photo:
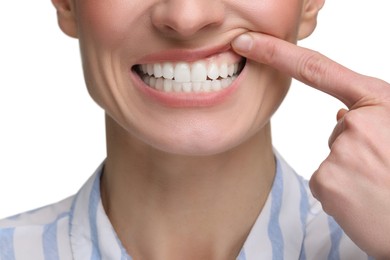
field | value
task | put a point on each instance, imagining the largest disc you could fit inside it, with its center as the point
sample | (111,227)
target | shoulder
(40,216)
(28,235)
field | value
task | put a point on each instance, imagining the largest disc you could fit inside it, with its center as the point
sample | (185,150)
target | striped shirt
(292,225)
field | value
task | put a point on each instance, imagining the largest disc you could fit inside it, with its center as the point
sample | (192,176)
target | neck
(183,205)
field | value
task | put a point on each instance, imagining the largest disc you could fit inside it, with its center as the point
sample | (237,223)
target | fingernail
(243,43)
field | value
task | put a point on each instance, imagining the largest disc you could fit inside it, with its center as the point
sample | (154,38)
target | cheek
(107,35)
(108,22)
(279,18)
(272,89)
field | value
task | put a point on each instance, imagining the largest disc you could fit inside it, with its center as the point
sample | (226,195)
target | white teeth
(149,69)
(168,85)
(152,82)
(223,70)
(187,87)
(231,70)
(235,68)
(146,79)
(144,68)
(168,71)
(206,86)
(157,70)
(213,71)
(198,72)
(189,77)
(177,86)
(182,72)
(216,85)
(196,86)
(160,84)
(226,82)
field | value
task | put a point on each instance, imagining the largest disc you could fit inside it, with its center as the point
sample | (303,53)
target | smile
(206,75)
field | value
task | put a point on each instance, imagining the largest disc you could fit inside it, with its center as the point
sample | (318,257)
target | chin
(198,145)
(196,150)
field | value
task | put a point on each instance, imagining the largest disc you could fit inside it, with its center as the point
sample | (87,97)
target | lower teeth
(169,85)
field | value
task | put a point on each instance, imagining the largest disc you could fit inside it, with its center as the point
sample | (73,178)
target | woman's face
(165,72)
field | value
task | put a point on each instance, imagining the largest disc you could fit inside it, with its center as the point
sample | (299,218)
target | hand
(353,183)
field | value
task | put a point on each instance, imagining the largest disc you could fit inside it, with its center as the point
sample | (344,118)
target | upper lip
(186,55)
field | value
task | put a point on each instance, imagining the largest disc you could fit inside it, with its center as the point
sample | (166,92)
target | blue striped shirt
(292,225)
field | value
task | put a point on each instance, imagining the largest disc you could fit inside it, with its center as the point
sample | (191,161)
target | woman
(190,171)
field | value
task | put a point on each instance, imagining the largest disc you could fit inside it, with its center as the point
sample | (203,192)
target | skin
(171,179)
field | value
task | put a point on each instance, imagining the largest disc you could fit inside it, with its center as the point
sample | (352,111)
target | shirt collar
(91,233)
(277,232)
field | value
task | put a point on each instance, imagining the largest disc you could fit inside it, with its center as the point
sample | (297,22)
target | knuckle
(376,91)
(315,185)
(311,68)
(342,150)
(359,128)
(338,129)
(319,182)
(377,83)
(270,53)
(325,186)
(353,119)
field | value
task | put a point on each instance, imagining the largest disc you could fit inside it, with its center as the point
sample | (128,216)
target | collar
(278,232)
(91,233)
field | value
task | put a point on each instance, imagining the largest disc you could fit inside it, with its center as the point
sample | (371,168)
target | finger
(310,67)
(339,128)
(341,113)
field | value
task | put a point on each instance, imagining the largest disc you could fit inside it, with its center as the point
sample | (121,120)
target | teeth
(206,86)
(187,87)
(226,82)
(189,77)
(149,69)
(213,71)
(169,85)
(216,85)
(196,86)
(144,68)
(231,70)
(223,70)
(157,70)
(168,71)
(160,84)
(177,86)
(198,72)
(182,72)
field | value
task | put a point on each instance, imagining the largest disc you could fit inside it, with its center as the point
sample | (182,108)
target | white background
(52,134)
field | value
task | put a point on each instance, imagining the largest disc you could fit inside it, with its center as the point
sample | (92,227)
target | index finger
(307,66)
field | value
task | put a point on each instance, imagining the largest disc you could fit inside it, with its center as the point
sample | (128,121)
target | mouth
(211,74)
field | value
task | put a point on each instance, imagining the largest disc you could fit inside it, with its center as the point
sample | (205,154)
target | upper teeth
(187,77)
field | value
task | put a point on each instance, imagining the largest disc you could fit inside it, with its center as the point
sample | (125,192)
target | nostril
(167,29)
(178,18)
(182,31)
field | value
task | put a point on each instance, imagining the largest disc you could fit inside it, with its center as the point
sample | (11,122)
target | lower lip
(183,100)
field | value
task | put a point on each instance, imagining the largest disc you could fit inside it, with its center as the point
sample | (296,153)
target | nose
(186,18)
